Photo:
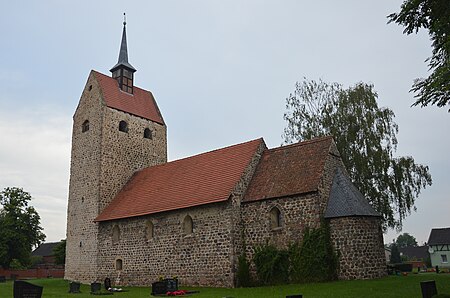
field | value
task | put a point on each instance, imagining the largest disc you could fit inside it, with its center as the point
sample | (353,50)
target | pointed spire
(123,53)
(123,71)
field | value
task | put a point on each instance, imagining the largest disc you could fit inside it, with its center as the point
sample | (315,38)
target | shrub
(314,259)
(272,265)
(243,272)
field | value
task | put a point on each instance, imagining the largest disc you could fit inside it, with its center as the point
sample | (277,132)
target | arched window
(123,126)
(147,133)
(115,234)
(119,264)
(188,227)
(149,230)
(275,218)
(85,126)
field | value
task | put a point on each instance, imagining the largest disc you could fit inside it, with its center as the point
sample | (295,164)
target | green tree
(433,15)
(60,252)
(405,240)
(365,135)
(395,255)
(20,227)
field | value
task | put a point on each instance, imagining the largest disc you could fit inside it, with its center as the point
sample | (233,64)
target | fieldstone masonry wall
(359,241)
(103,159)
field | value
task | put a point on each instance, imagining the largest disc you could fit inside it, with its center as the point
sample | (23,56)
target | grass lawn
(391,286)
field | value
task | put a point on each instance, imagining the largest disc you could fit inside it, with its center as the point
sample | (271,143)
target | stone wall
(297,213)
(124,153)
(103,159)
(201,258)
(81,249)
(359,242)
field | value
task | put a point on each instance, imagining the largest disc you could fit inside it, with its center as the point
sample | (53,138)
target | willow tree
(365,135)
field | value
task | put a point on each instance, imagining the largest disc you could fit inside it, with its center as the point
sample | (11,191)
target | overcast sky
(220,72)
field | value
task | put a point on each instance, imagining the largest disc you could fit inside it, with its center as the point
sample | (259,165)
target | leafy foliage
(20,227)
(405,240)
(365,135)
(315,259)
(272,265)
(16,265)
(60,252)
(433,15)
(243,272)
(395,255)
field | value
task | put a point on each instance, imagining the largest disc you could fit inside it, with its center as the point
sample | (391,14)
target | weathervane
(124,19)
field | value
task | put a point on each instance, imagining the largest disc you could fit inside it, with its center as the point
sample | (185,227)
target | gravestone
(2,278)
(171,284)
(428,288)
(96,287)
(295,296)
(74,287)
(107,284)
(159,288)
(23,289)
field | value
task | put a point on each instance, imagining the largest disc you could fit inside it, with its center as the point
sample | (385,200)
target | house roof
(45,249)
(346,200)
(415,252)
(439,236)
(201,179)
(141,103)
(289,170)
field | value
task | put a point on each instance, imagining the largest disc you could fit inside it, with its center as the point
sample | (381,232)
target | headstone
(96,287)
(2,278)
(428,288)
(295,296)
(171,284)
(159,288)
(107,284)
(74,287)
(23,289)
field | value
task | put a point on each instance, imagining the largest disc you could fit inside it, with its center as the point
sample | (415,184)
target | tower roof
(346,200)
(123,53)
(141,103)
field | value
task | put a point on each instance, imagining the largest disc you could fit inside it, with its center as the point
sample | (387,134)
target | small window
(85,126)
(444,258)
(90,87)
(119,264)
(123,126)
(275,218)
(116,234)
(187,225)
(147,133)
(149,230)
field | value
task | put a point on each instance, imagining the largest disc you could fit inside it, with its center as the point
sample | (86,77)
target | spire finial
(124,19)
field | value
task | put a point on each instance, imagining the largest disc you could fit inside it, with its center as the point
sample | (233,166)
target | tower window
(119,264)
(123,126)
(85,126)
(115,234)
(147,133)
(275,218)
(149,230)
(188,227)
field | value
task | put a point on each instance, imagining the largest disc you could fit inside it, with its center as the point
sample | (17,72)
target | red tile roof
(201,179)
(141,103)
(289,170)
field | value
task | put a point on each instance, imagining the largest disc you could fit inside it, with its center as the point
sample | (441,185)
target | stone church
(133,216)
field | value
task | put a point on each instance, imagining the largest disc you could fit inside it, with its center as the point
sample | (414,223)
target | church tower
(117,130)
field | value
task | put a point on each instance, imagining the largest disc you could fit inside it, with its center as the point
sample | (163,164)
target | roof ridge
(203,153)
(302,143)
